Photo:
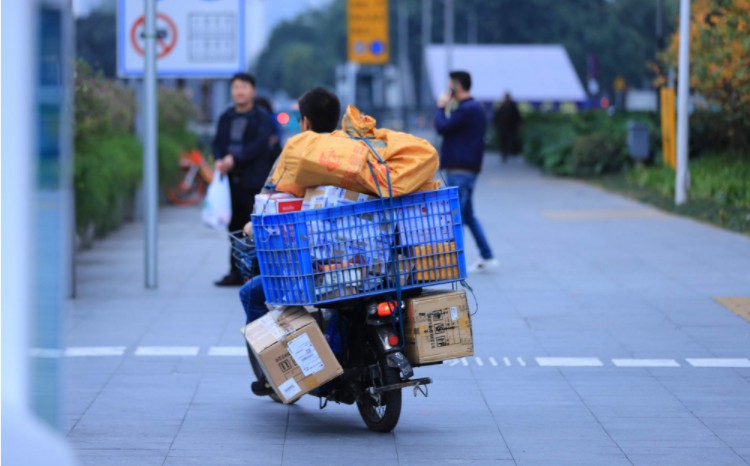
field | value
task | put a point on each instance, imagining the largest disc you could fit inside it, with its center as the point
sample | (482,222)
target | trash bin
(638,140)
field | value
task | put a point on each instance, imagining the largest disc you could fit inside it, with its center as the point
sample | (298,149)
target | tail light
(386,309)
(393,340)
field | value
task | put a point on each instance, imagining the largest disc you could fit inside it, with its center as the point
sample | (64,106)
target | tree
(96,41)
(719,57)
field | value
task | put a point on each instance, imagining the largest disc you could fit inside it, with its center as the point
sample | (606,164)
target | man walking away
(241,150)
(507,123)
(462,123)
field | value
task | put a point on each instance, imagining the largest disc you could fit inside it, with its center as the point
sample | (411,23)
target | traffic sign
(195,38)
(367,32)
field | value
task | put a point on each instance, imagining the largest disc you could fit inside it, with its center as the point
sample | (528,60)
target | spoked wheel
(259,374)
(381,412)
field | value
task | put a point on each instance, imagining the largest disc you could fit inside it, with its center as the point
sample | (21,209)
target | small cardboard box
(277,203)
(331,196)
(438,327)
(292,351)
(435,262)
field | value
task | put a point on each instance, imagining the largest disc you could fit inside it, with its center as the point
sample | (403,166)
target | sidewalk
(598,341)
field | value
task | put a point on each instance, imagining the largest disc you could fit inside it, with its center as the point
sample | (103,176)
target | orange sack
(343,159)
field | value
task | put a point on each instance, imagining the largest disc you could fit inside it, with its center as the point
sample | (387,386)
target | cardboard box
(435,262)
(292,351)
(438,327)
(331,196)
(277,203)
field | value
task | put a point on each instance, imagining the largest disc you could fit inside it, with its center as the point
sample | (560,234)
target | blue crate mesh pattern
(326,255)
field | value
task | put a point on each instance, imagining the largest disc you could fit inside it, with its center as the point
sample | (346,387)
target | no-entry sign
(195,38)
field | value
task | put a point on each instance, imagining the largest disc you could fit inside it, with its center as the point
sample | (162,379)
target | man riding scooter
(319,112)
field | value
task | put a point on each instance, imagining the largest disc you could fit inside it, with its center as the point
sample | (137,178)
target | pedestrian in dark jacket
(241,150)
(507,123)
(462,122)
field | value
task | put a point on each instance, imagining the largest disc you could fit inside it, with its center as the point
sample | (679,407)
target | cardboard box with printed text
(438,327)
(292,351)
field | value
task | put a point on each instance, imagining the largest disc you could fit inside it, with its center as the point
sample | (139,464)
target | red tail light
(393,340)
(385,309)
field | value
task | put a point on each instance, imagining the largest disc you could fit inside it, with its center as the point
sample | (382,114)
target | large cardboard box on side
(293,352)
(438,327)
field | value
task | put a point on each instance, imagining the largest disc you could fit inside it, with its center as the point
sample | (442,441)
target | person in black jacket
(462,122)
(242,151)
(507,122)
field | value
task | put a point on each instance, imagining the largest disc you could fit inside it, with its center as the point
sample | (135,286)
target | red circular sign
(164,45)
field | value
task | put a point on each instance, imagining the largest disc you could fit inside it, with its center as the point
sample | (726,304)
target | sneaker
(230,280)
(261,388)
(483,265)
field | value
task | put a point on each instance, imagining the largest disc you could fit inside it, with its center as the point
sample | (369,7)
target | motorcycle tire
(382,414)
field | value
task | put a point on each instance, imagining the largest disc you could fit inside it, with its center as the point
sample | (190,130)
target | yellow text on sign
(367,31)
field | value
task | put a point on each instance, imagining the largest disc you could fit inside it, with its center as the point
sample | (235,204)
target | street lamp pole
(682,176)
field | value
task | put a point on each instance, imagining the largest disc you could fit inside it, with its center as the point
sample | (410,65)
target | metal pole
(403,58)
(150,164)
(448,21)
(426,40)
(683,90)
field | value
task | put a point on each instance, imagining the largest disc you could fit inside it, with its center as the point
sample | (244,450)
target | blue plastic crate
(326,255)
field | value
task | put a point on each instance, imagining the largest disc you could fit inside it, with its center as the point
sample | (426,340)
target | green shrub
(107,172)
(596,154)
(108,155)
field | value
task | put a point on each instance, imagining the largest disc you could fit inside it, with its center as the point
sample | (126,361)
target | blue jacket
(463,136)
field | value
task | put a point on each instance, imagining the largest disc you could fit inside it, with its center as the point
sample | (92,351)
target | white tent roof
(531,73)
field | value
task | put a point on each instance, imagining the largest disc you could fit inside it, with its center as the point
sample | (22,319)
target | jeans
(465,183)
(253,299)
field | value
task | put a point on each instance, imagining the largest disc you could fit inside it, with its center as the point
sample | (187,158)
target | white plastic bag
(217,207)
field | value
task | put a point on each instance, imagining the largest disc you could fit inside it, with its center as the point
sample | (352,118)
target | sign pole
(150,164)
(683,90)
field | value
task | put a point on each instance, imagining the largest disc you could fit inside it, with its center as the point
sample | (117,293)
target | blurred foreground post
(682,180)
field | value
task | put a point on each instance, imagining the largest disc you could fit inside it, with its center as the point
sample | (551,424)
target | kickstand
(421,389)
(323,402)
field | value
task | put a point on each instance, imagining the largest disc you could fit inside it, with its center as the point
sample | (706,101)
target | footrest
(399,386)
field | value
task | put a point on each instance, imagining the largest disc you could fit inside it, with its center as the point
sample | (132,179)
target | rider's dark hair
(322,108)
(463,78)
(247,77)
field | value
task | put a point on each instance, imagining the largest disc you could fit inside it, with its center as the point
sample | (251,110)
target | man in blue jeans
(319,112)
(462,122)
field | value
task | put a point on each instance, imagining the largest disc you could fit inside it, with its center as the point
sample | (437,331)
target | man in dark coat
(241,150)
(507,123)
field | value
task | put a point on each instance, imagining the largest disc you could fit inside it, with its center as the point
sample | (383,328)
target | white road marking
(492,361)
(521,361)
(506,361)
(719,362)
(464,362)
(84,351)
(227,351)
(479,361)
(645,363)
(167,351)
(452,362)
(50,353)
(568,362)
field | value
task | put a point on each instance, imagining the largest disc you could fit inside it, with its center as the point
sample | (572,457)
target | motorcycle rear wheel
(381,413)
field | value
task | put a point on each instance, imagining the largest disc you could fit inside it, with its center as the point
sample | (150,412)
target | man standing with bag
(242,152)
(462,122)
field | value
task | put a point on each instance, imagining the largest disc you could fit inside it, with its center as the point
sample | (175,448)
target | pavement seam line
(182,421)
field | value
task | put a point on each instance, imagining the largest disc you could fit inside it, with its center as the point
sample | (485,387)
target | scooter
(363,334)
